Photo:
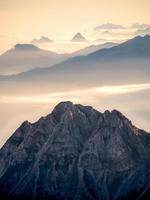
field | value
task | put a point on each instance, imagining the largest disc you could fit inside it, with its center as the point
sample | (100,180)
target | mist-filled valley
(104,79)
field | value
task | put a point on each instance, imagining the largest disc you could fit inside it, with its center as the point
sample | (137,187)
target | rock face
(76,153)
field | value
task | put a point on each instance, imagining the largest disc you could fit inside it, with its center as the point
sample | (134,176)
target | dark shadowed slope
(76,153)
(24,57)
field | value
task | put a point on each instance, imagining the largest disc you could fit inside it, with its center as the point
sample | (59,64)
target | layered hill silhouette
(116,65)
(76,152)
(24,57)
(93,48)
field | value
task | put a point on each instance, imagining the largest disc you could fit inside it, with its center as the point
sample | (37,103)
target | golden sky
(60,20)
(67,16)
(23,20)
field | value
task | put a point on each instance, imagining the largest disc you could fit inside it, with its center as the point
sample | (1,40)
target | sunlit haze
(22,20)
(120,97)
(57,21)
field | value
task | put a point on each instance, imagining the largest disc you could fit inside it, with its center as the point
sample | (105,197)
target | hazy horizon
(61,20)
(17,109)
(99,22)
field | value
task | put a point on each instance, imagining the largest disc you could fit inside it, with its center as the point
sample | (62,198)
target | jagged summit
(76,152)
(65,105)
(68,106)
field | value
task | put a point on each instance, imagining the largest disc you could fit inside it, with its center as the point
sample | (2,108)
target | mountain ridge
(26,47)
(102,51)
(24,57)
(93,48)
(112,66)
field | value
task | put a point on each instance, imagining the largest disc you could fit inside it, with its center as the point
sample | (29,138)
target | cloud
(77,95)
(143,31)
(140,26)
(122,89)
(114,31)
(108,26)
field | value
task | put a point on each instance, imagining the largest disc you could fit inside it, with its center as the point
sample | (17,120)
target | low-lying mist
(133,100)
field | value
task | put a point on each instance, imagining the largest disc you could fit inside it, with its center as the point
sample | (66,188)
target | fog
(75,74)
(132,100)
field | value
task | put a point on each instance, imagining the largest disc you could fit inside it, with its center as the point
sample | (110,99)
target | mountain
(76,153)
(127,63)
(79,38)
(93,48)
(24,57)
(43,39)
(25,47)
(136,47)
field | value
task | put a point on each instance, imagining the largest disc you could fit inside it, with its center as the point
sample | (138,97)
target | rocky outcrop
(76,153)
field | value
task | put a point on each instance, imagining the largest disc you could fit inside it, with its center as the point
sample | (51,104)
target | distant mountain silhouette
(115,65)
(43,39)
(76,152)
(136,47)
(24,57)
(93,48)
(79,38)
(25,47)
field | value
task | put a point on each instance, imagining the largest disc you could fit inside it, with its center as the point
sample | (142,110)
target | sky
(23,20)
(60,16)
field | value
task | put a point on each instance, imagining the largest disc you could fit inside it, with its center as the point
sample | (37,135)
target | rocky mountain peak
(62,108)
(76,152)
(66,105)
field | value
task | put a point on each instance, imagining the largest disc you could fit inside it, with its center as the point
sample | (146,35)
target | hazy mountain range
(93,48)
(76,153)
(122,64)
(43,39)
(24,57)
